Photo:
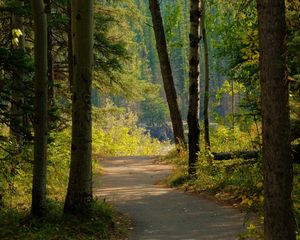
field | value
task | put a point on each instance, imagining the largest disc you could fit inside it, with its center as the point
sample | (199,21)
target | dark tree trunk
(166,71)
(51,88)
(41,109)
(50,57)
(16,123)
(194,86)
(277,161)
(232,104)
(206,77)
(70,46)
(79,194)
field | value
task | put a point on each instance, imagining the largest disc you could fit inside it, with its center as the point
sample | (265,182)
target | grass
(102,222)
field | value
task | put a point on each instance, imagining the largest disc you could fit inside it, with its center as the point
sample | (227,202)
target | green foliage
(224,139)
(117,67)
(233,33)
(213,176)
(116,134)
(153,111)
(15,90)
(15,173)
(171,22)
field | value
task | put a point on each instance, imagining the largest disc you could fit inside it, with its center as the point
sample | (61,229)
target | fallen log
(238,154)
(251,154)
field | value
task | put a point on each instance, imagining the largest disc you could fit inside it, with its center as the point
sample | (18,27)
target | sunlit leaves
(16,33)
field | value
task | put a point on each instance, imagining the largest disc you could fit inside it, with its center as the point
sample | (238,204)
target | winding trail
(160,213)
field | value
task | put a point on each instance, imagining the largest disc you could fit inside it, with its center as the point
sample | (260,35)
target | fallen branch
(251,154)
(238,154)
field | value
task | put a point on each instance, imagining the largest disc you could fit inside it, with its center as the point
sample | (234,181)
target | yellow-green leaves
(16,33)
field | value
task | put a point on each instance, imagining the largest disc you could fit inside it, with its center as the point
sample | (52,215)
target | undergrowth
(102,222)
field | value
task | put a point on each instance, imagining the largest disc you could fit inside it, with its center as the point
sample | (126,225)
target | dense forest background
(129,107)
(127,66)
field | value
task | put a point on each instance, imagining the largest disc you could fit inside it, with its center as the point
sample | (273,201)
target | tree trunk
(79,194)
(50,57)
(194,86)
(206,77)
(166,71)
(232,104)
(16,123)
(70,47)
(41,109)
(277,161)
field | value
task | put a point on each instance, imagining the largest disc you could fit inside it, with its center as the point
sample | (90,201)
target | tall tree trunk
(194,86)
(206,77)
(51,89)
(50,57)
(166,71)
(277,161)
(70,47)
(16,123)
(41,108)
(79,194)
(232,104)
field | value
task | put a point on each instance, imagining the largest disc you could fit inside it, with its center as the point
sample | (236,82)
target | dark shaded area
(162,133)
(237,154)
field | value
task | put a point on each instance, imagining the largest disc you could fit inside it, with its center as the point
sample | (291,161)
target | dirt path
(160,213)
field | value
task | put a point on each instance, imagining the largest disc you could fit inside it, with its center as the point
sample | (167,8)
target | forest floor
(135,186)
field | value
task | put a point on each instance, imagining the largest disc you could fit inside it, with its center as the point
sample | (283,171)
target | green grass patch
(101,222)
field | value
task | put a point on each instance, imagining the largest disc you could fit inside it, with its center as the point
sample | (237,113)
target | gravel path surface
(160,213)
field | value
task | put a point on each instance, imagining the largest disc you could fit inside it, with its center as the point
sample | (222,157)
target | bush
(115,133)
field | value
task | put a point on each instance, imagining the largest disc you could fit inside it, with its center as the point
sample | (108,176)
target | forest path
(160,213)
